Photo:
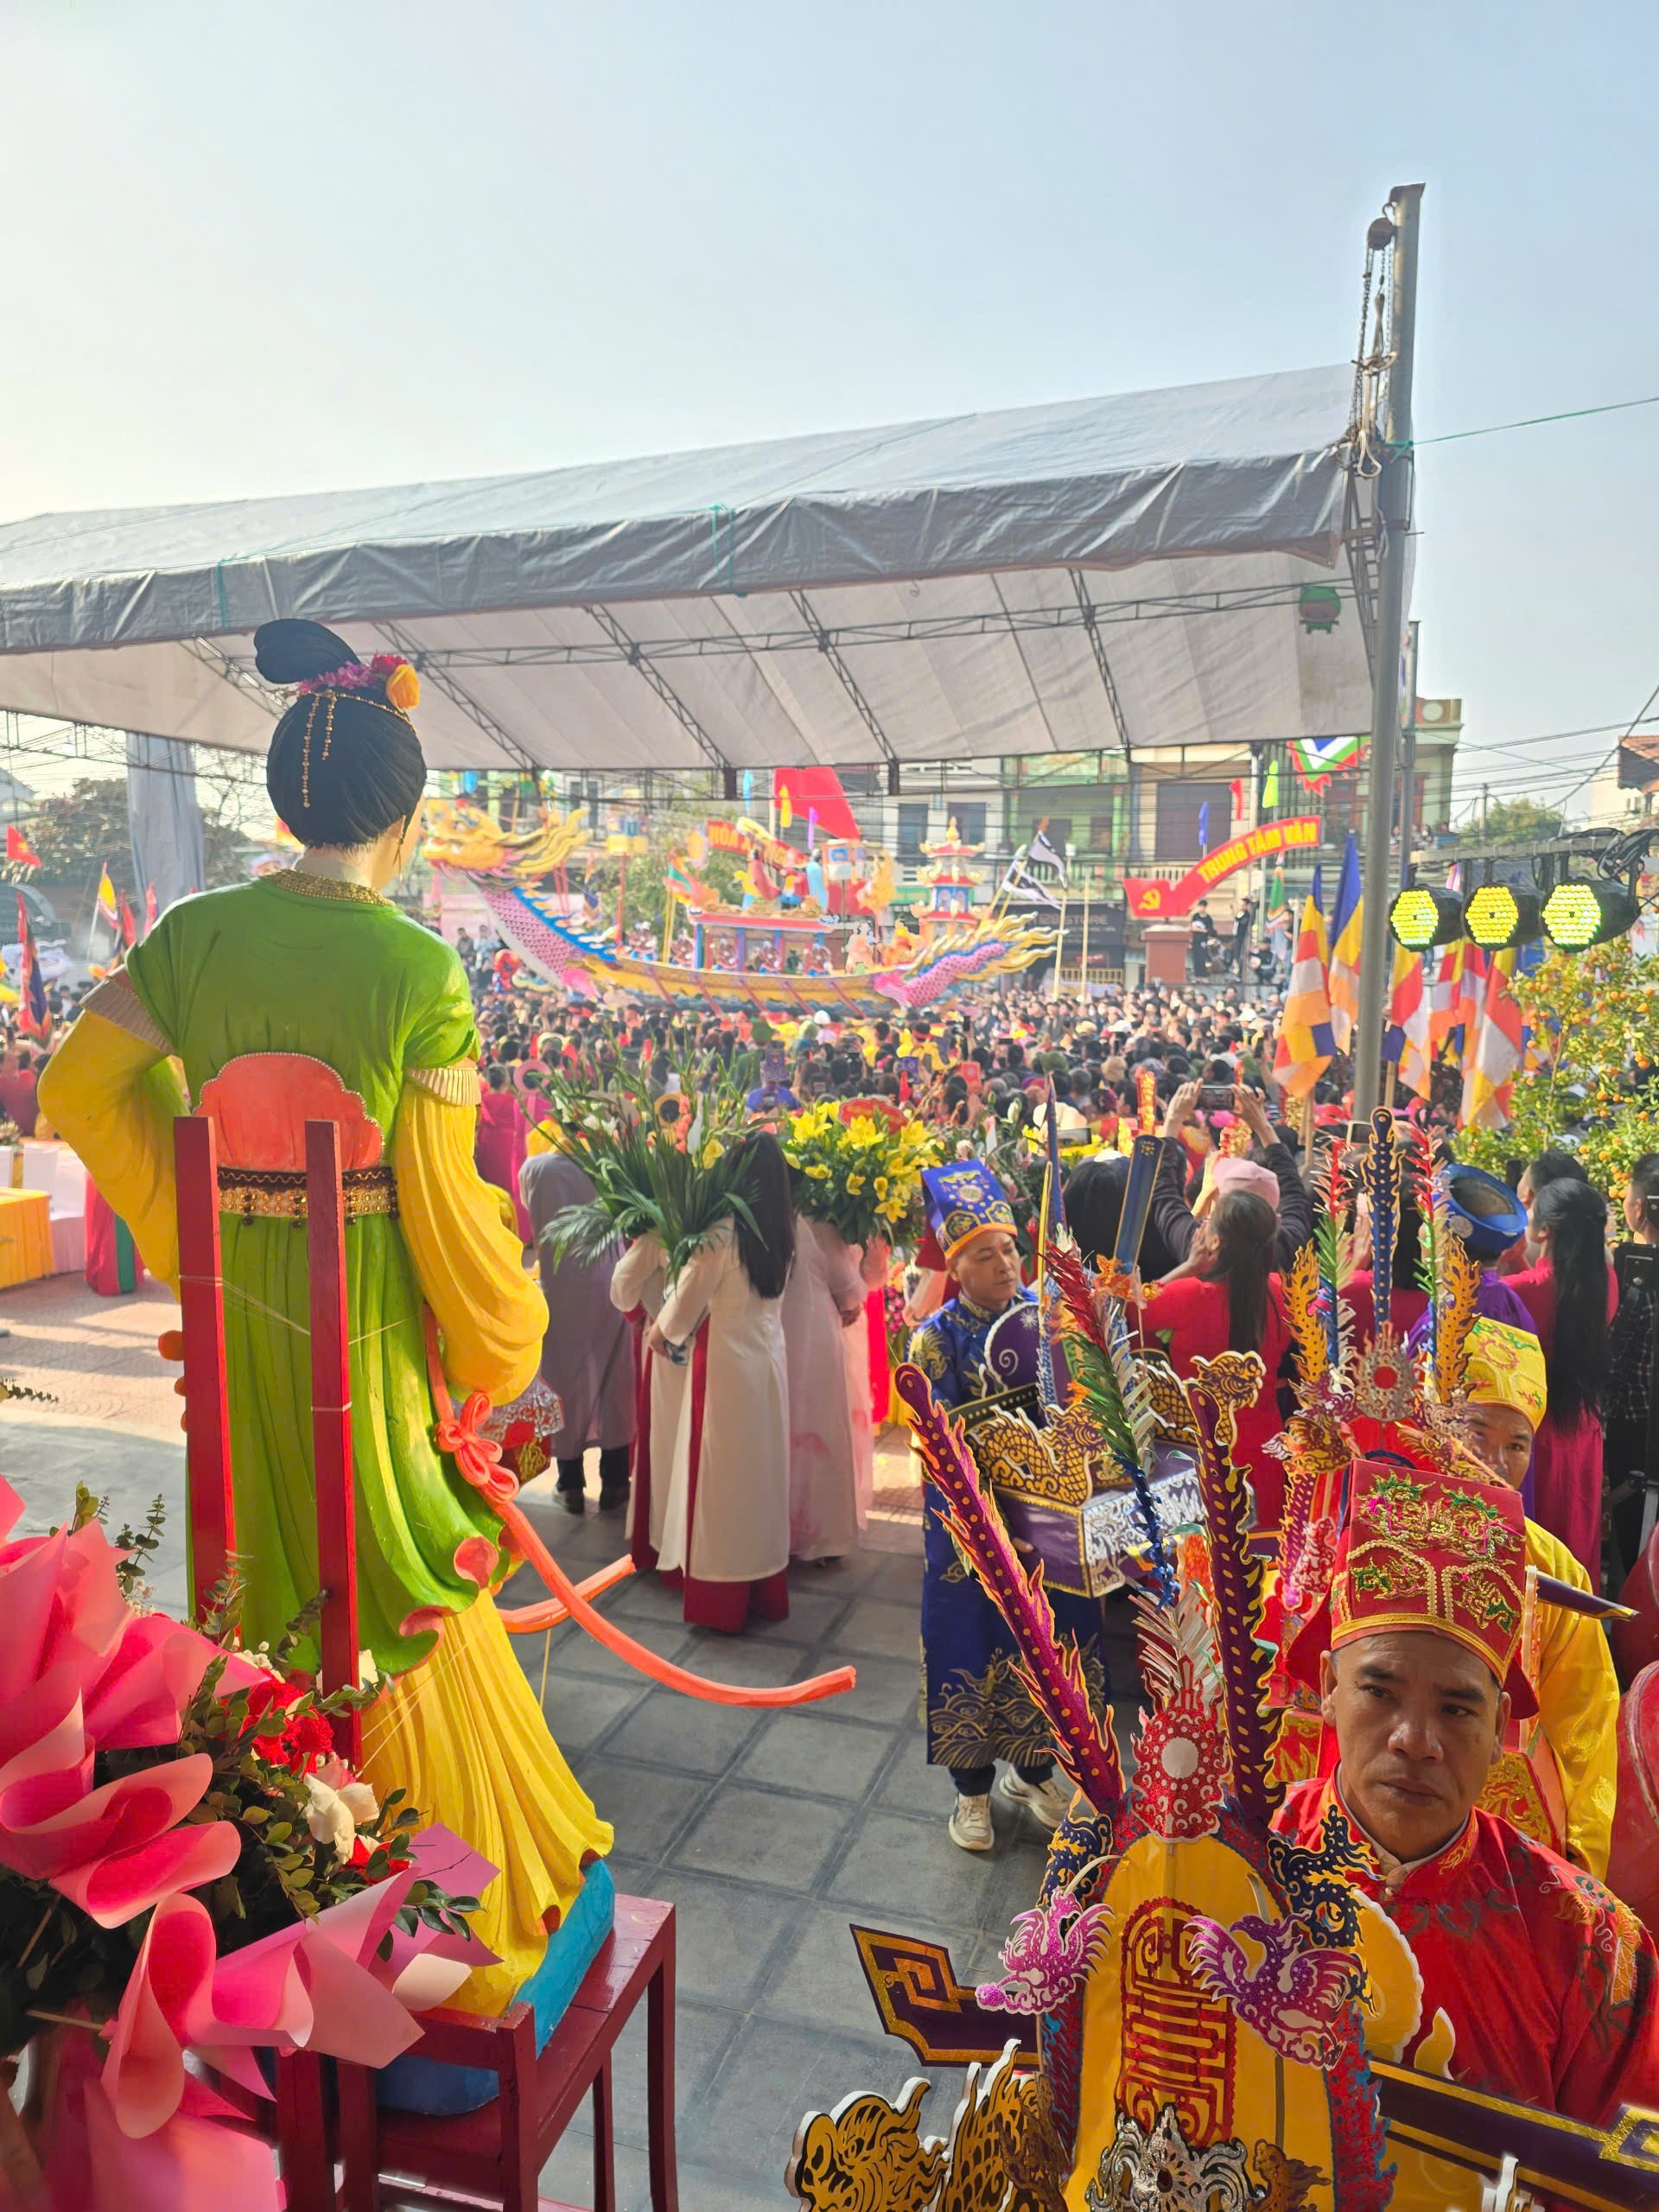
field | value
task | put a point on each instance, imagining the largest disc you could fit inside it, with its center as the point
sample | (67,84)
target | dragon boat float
(587,962)
(833,898)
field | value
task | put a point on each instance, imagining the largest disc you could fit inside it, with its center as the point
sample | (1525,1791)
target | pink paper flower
(81,1672)
(318,1986)
(114,1850)
(67,1619)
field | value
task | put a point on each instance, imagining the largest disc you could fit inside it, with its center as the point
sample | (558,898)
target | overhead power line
(1528,423)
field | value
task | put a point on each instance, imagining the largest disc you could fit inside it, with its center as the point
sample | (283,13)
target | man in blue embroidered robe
(975,1709)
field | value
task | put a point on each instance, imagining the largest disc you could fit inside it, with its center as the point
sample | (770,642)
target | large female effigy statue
(307,995)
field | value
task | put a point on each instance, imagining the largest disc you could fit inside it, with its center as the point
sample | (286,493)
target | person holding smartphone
(1175,1221)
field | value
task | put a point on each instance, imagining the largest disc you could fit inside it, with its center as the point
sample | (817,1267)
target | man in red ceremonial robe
(1549,1984)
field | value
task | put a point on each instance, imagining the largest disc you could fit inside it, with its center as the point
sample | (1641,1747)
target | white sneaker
(970,1824)
(1048,1801)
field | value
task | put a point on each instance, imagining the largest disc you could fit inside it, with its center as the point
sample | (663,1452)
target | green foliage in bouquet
(676,1181)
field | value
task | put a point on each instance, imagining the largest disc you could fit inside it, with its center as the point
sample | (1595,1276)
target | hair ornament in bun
(404,689)
(383,673)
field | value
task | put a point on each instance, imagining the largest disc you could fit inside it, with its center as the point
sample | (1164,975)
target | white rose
(329,1817)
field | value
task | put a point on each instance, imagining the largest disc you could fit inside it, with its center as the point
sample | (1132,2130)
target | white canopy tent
(1098,573)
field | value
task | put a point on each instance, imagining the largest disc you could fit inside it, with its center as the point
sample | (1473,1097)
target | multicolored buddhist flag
(1496,1051)
(1406,1042)
(1305,1045)
(1471,997)
(1347,921)
(1443,972)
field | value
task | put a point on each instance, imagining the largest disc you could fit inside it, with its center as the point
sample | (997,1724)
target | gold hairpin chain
(305,755)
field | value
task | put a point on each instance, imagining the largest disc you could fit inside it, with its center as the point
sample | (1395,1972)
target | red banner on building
(1152,900)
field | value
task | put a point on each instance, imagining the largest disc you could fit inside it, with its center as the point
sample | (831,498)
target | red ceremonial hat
(1446,1553)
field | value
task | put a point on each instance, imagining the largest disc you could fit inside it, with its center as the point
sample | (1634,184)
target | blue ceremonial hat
(1484,1210)
(963,1200)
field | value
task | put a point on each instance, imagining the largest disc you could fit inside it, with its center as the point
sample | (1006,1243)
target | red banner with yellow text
(1152,900)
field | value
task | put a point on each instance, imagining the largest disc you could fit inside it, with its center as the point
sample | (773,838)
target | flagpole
(1059,951)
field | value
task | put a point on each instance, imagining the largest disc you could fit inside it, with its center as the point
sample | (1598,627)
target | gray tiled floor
(770,1831)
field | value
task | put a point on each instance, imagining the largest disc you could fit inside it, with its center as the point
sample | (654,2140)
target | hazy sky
(252,249)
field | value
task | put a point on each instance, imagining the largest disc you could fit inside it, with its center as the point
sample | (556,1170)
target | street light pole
(1394,492)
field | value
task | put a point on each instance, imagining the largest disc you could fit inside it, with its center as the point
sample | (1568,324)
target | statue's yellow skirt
(463,1735)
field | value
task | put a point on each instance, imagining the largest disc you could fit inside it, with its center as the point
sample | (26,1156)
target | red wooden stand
(490,2157)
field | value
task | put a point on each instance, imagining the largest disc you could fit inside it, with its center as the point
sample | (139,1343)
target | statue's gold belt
(278,1193)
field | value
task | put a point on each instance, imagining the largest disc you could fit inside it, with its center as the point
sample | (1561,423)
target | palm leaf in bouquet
(676,1180)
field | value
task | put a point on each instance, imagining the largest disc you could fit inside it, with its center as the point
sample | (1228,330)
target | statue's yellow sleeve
(1578,1703)
(469,1264)
(113,1095)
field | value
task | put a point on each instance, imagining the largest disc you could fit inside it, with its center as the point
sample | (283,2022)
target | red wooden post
(659,2075)
(303,2131)
(604,2140)
(210,1503)
(331,1421)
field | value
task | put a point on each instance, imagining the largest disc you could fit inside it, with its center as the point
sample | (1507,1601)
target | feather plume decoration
(1052,1676)
(1456,1305)
(1306,1323)
(1177,1645)
(1106,1377)
(1221,1386)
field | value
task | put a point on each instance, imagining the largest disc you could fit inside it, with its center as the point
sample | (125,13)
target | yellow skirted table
(25,1236)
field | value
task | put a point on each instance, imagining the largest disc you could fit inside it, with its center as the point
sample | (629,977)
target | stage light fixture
(1496,917)
(1420,918)
(1578,915)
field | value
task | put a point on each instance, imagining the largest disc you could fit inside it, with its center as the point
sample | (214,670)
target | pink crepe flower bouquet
(88,1684)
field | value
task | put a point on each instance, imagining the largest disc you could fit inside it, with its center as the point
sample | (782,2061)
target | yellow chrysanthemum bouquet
(858,1166)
